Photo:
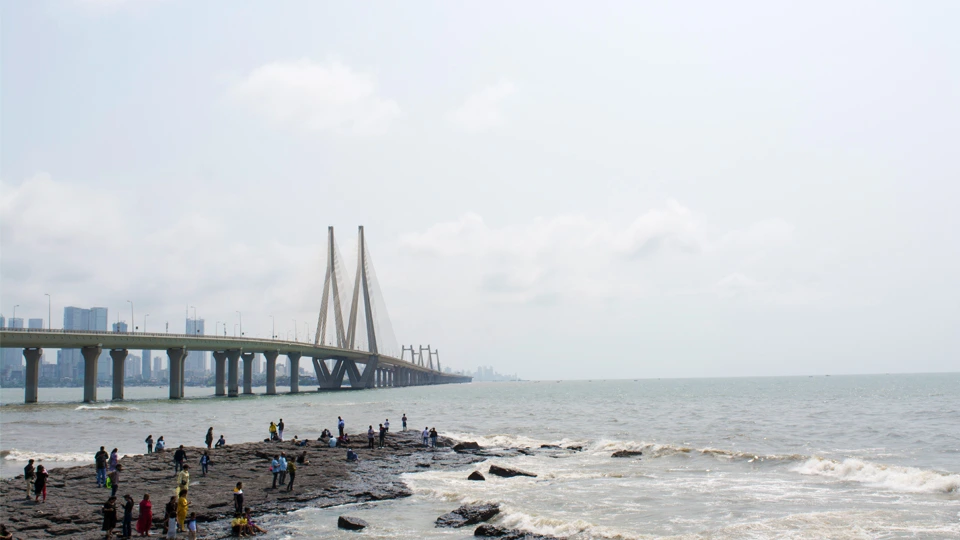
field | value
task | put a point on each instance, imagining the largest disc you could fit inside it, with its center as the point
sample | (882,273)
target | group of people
(276,430)
(36,478)
(383,430)
(144,520)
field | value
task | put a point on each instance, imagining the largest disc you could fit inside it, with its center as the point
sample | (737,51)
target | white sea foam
(897,478)
(18,455)
(106,407)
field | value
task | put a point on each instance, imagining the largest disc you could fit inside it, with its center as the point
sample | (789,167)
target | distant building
(145,364)
(195,364)
(132,367)
(157,365)
(11,360)
(70,361)
(35,324)
(120,327)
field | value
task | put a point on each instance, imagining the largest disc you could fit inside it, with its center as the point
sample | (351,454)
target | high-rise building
(157,364)
(11,360)
(35,324)
(132,367)
(145,368)
(120,327)
(195,363)
(71,360)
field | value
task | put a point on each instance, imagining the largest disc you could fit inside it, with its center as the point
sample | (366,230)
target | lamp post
(49,312)
(240,315)
(295,338)
(132,320)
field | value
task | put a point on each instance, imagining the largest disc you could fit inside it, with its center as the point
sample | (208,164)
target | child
(192,526)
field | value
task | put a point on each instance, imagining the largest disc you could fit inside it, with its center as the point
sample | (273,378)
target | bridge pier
(90,356)
(175,358)
(119,357)
(32,378)
(233,372)
(271,357)
(247,372)
(220,372)
(294,358)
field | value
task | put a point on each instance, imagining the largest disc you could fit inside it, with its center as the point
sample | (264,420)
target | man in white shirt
(426,436)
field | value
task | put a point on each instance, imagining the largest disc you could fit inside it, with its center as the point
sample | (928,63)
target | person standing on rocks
(292,470)
(238,498)
(40,484)
(383,434)
(341,425)
(183,480)
(182,508)
(170,518)
(178,458)
(404,421)
(29,475)
(275,469)
(370,437)
(425,436)
(127,530)
(109,516)
(112,464)
(433,437)
(114,478)
(100,458)
(273,431)
(209,438)
(192,526)
(283,468)
(386,425)
(145,519)
(149,441)
(280,430)
(204,463)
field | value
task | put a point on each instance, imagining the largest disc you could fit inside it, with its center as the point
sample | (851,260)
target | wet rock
(476,475)
(351,523)
(525,451)
(492,531)
(507,472)
(550,447)
(575,448)
(626,453)
(466,447)
(468,514)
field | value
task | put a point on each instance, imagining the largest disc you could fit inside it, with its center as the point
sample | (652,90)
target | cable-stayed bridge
(354,346)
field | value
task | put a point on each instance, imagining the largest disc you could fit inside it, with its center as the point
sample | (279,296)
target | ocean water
(795,457)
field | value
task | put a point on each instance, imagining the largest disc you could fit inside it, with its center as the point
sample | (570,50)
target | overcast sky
(557,189)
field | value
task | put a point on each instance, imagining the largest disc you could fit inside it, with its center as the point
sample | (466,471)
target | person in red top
(145,519)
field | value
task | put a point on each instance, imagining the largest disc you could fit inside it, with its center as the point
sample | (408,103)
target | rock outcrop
(351,523)
(508,472)
(466,447)
(626,453)
(492,531)
(476,475)
(468,514)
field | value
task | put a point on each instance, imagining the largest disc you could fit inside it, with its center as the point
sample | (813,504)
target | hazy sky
(557,189)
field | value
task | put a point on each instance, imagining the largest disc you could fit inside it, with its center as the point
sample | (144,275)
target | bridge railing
(169,335)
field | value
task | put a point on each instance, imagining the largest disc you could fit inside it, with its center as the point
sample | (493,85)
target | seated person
(302,459)
(296,441)
(332,442)
(252,527)
(238,526)
(352,456)
(220,443)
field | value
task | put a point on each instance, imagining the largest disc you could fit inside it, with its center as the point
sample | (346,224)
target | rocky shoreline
(73,501)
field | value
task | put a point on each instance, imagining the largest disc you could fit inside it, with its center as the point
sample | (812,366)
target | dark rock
(492,531)
(507,472)
(351,523)
(423,465)
(626,453)
(468,514)
(550,446)
(575,448)
(476,475)
(466,447)
(525,451)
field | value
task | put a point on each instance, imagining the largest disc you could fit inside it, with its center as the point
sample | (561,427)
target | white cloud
(316,97)
(666,250)
(482,110)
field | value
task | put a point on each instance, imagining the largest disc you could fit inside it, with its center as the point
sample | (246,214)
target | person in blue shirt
(204,463)
(275,469)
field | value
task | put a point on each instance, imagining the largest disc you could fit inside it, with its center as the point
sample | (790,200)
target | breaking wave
(894,477)
(106,407)
(18,455)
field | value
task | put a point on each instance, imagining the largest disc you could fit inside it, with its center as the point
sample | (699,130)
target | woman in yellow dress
(182,507)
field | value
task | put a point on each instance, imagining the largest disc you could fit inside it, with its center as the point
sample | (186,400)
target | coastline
(74,500)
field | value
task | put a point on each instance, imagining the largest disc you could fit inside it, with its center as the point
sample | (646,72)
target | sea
(846,457)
